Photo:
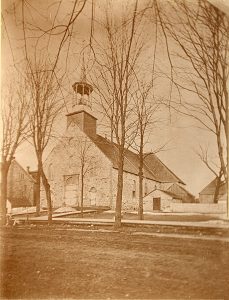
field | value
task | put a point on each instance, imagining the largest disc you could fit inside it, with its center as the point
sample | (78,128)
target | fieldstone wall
(66,160)
(131,190)
(166,201)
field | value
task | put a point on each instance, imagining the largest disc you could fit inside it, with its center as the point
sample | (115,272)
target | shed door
(71,190)
(157,203)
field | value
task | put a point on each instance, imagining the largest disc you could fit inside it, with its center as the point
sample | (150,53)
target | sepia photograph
(114,149)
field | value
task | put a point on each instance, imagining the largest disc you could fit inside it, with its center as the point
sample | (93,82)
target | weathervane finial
(83,68)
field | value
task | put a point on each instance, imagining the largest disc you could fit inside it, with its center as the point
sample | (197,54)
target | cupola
(82,105)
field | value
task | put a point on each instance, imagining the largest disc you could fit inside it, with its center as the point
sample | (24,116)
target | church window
(93,168)
(71,179)
(134,189)
(134,185)
(146,188)
(50,172)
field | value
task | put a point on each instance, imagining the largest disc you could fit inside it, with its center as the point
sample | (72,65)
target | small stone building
(84,162)
(160,200)
(21,186)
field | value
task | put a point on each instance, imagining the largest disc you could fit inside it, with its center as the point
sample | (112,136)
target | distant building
(21,186)
(207,194)
(161,199)
(63,165)
(181,192)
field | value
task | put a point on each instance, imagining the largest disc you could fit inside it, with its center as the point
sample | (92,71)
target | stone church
(86,162)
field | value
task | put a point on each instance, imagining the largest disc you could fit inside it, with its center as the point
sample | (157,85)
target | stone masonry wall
(65,160)
(131,190)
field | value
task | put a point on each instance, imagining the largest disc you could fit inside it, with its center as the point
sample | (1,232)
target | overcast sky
(183,135)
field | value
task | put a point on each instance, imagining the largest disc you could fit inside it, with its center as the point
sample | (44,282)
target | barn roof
(210,188)
(184,189)
(153,168)
(173,195)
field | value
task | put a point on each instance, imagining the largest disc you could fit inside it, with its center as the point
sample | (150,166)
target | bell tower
(82,89)
(82,105)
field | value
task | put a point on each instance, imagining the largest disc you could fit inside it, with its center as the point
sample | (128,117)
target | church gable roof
(159,169)
(153,168)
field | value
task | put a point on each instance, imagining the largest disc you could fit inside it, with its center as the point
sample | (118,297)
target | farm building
(208,193)
(22,189)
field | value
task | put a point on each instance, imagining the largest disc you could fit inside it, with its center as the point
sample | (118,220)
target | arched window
(93,189)
(93,192)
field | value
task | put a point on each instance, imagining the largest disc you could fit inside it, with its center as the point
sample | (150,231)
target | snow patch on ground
(64,209)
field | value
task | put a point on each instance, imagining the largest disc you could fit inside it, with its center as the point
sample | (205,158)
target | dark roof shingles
(153,168)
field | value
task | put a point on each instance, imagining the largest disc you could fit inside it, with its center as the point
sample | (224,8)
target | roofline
(80,111)
(160,181)
(181,181)
(145,177)
(163,191)
(29,175)
(204,193)
(185,190)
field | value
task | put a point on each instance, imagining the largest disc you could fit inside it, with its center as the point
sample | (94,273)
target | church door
(71,190)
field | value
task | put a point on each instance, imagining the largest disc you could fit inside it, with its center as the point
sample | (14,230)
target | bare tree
(45,71)
(45,107)
(145,108)
(15,130)
(205,157)
(201,32)
(87,162)
(115,67)
(197,43)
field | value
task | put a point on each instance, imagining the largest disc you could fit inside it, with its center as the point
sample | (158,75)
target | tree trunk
(118,208)
(217,188)
(4,173)
(220,153)
(140,177)
(37,192)
(82,192)
(48,196)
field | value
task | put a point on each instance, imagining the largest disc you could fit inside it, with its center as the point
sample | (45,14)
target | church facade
(85,163)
